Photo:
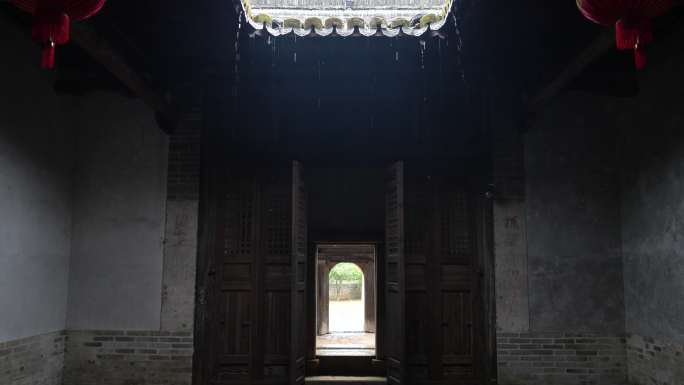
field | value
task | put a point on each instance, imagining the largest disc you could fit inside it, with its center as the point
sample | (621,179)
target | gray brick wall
(653,362)
(561,359)
(37,360)
(116,357)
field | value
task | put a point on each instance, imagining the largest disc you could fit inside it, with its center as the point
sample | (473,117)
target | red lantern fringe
(48,59)
(634,35)
(50,28)
(632,19)
(51,21)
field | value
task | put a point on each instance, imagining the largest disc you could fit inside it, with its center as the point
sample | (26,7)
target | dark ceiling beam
(103,53)
(604,42)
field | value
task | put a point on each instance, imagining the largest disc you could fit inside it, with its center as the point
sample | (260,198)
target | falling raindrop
(236,47)
(236,65)
(396,56)
(459,48)
(439,51)
(422,54)
(295,57)
(318,84)
(457,29)
(274,53)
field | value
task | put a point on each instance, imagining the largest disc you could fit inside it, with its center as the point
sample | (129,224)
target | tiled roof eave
(345,22)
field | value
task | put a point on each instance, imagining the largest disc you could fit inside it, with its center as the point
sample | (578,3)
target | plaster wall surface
(573,218)
(653,202)
(118,218)
(510,219)
(653,219)
(512,300)
(180,249)
(346,204)
(558,251)
(35,194)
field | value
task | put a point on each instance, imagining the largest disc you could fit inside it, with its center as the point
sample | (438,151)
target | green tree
(346,272)
(343,273)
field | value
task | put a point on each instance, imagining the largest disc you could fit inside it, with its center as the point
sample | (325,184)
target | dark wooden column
(324,268)
(368,270)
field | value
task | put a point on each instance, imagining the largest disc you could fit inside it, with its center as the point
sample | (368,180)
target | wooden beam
(100,49)
(599,46)
(604,42)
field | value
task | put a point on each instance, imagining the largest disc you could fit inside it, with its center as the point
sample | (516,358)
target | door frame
(328,255)
(206,268)
(371,267)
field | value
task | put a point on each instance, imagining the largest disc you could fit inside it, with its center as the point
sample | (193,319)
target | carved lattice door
(257,305)
(442,280)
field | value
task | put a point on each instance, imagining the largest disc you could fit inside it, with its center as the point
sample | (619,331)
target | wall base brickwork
(37,360)
(561,359)
(653,362)
(128,358)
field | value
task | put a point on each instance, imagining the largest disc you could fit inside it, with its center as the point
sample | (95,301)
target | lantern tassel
(639,56)
(48,60)
(51,21)
(50,28)
(633,34)
(632,18)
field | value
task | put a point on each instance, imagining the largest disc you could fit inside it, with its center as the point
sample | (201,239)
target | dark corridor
(261,313)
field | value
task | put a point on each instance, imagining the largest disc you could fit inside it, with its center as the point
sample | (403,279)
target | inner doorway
(346,300)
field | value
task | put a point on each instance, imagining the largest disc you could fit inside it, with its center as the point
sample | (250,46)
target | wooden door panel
(298,276)
(456,277)
(394,274)
(415,278)
(236,276)
(237,217)
(455,234)
(234,335)
(441,279)
(236,248)
(457,261)
(416,328)
(276,224)
(457,322)
(417,219)
(277,316)
(236,325)
(261,226)
(277,278)
(275,213)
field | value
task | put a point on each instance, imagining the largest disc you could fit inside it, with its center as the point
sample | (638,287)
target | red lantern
(51,20)
(632,19)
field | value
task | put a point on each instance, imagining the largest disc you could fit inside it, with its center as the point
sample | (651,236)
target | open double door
(434,320)
(251,316)
(251,305)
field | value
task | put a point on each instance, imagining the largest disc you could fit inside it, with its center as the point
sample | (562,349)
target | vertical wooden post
(369,290)
(323,298)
